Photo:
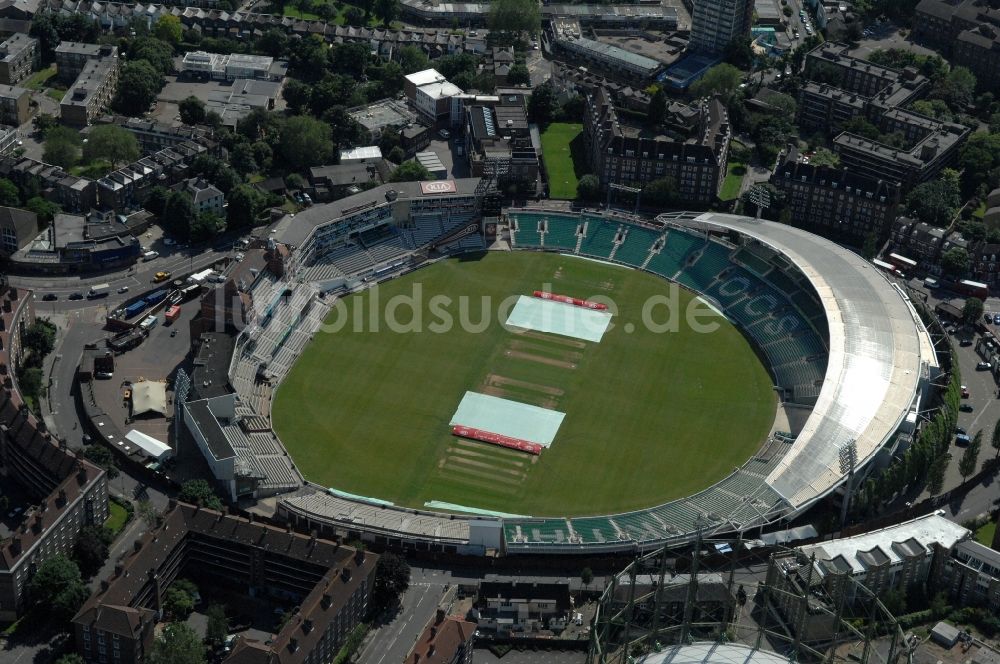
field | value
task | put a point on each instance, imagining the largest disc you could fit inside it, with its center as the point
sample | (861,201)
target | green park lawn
(562,150)
(734,179)
(117,517)
(663,414)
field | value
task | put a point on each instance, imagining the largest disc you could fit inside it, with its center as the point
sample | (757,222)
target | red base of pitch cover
(566,299)
(497,439)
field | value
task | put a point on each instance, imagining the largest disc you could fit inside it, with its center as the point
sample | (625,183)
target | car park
(49,297)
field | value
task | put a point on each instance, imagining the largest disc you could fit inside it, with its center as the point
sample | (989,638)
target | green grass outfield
(558,154)
(649,417)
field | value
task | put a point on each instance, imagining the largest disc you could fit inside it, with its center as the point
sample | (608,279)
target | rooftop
(889,544)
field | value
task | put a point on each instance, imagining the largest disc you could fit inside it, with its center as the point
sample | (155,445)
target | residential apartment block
(73,193)
(842,87)
(902,557)
(67,491)
(621,153)
(968,31)
(18,57)
(330,586)
(91,71)
(716,23)
(72,57)
(836,202)
(15,107)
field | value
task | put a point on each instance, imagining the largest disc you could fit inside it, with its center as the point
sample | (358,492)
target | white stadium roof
(879,353)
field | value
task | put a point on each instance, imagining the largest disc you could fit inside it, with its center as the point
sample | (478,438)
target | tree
(192,110)
(396,155)
(392,578)
(178,603)
(519,75)
(824,157)
(894,601)
(861,127)
(722,79)
(273,42)
(91,549)
(43,122)
(62,147)
(956,88)
(995,441)
(241,158)
(305,142)
(972,311)
(9,196)
(113,143)
(660,192)
(297,94)
(178,644)
(156,200)
(588,188)
(71,658)
(515,16)
(542,104)
(59,587)
(156,52)
(936,473)
(178,215)
(138,86)
(977,158)
(410,171)
(412,59)
(39,338)
(955,262)
(29,379)
(168,28)
(936,202)
(217,626)
(657,110)
(43,28)
(739,52)
(101,456)
(970,457)
(46,210)
(149,514)
(244,204)
(387,11)
(586,576)
(870,248)
(199,492)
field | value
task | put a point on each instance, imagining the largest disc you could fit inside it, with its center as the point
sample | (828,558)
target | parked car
(996,319)
(965,342)
(983,366)
(960,430)
(76,296)
(965,392)
(966,407)
(988,317)
(49,297)
(962,439)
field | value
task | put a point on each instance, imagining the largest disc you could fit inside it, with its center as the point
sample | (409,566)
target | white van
(150,255)
(149,322)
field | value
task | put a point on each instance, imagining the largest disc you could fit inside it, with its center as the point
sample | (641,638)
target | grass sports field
(649,416)
(561,143)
